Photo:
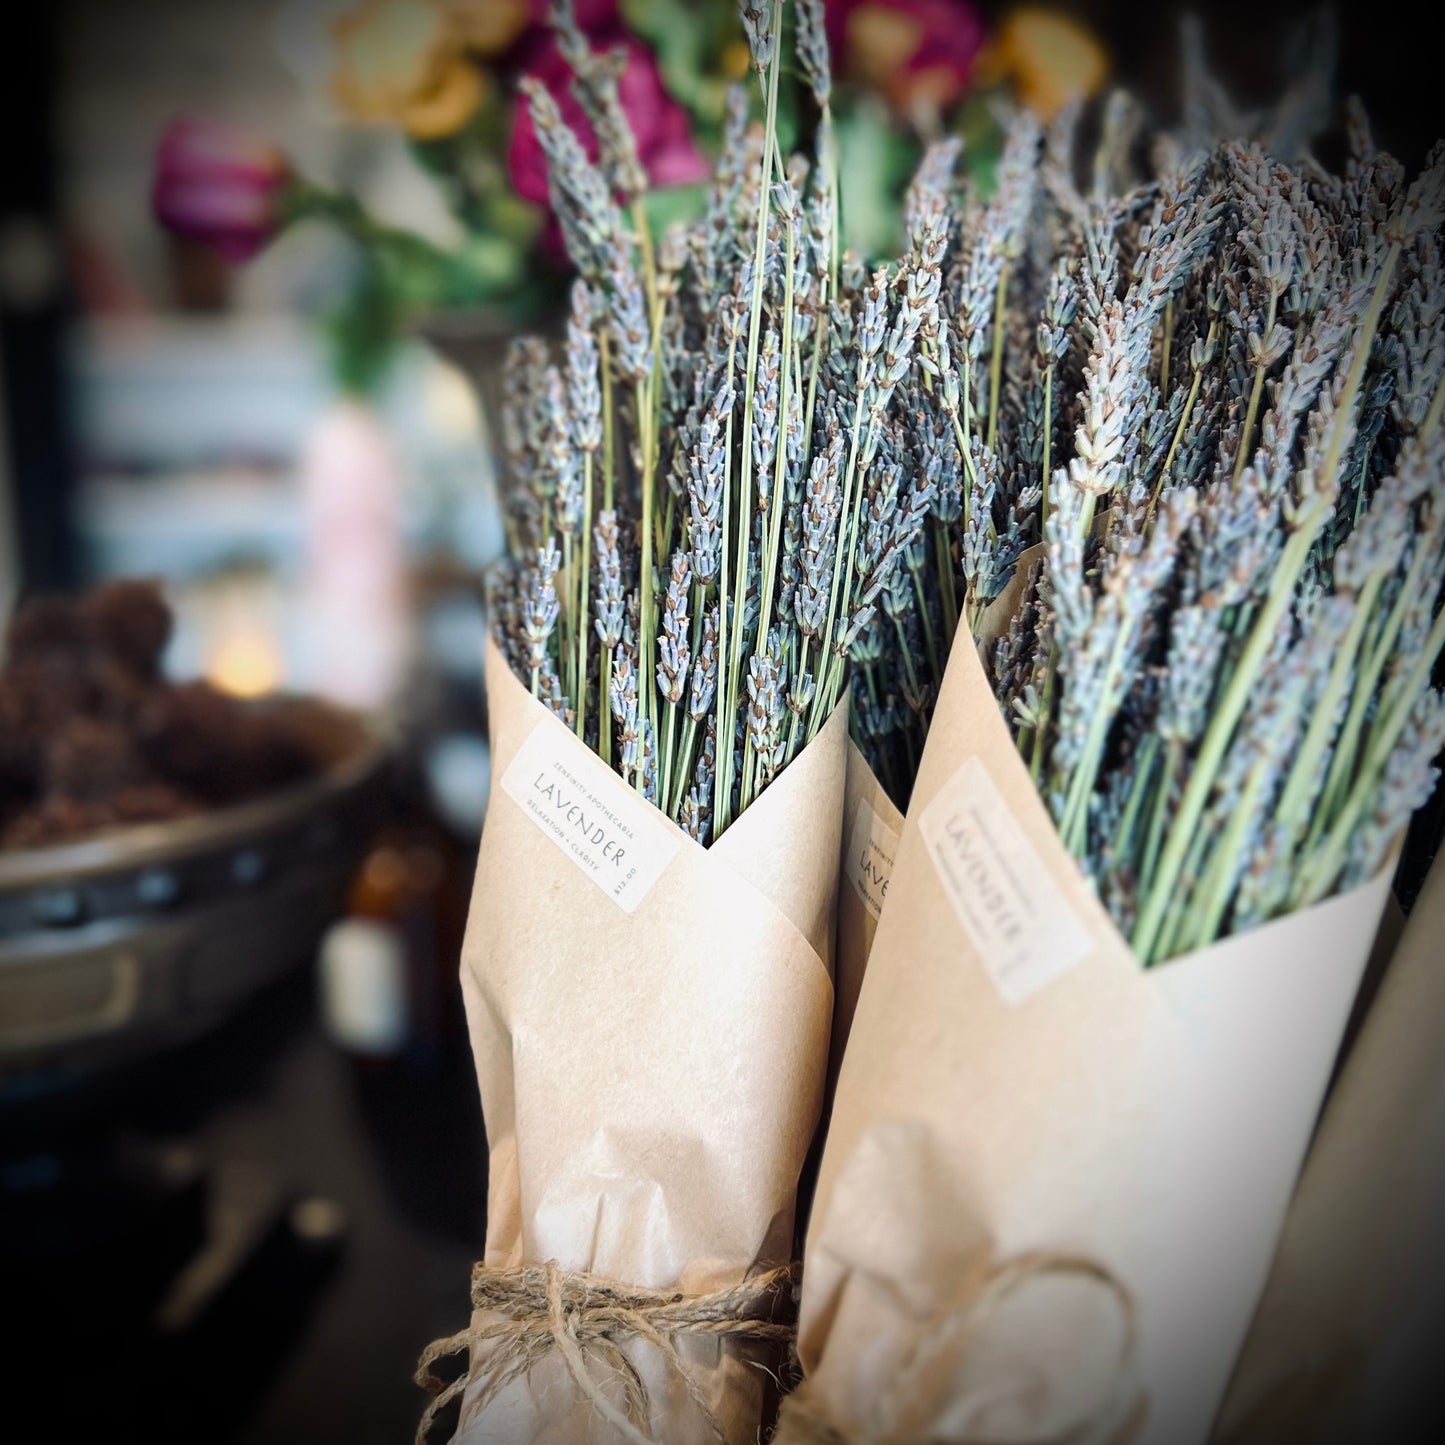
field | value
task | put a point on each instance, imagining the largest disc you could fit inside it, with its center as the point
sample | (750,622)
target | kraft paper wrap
(1346,1343)
(650,1082)
(857,923)
(1051,1220)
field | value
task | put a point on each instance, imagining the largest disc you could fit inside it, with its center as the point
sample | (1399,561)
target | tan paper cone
(650,1078)
(871,829)
(1345,1345)
(1053,1179)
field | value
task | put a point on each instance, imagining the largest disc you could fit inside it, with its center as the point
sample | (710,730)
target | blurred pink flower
(664,138)
(593,16)
(219,185)
(916,52)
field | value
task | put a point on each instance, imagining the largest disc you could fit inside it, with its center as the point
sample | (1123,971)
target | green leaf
(874,163)
(363,331)
(690,39)
(670,204)
(982,134)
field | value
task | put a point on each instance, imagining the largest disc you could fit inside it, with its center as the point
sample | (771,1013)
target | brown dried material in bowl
(93,737)
(206,743)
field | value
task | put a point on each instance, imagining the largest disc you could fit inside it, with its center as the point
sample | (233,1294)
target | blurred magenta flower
(664,136)
(916,52)
(593,16)
(217,184)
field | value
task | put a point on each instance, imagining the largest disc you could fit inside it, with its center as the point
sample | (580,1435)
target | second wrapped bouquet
(1152,828)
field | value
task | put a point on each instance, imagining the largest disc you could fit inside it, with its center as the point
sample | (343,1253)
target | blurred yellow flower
(1050,59)
(486,27)
(881,42)
(736,60)
(402,61)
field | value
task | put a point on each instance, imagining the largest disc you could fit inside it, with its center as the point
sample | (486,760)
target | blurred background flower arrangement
(444,75)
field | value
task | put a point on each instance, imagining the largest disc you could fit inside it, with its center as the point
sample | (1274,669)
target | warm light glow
(451,402)
(245,663)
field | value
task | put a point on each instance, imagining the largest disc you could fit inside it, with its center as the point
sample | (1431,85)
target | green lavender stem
(1123,846)
(821,705)
(649,270)
(683,767)
(1074,826)
(769,559)
(567,617)
(785,382)
(1179,900)
(1048,442)
(604,348)
(1367,679)
(745,504)
(1166,346)
(724,698)
(907,655)
(665,780)
(1178,437)
(995,366)
(1319,873)
(604,704)
(585,597)
(1184,416)
(1221,730)
(1046,712)
(647,622)
(948,593)
(1345,754)
(1247,435)
(1212,897)
(1158,812)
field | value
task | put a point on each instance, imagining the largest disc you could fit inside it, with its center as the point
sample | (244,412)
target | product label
(616,838)
(1025,932)
(871,852)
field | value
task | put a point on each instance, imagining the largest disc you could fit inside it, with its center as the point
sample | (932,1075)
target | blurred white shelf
(189,521)
(189,432)
(173,392)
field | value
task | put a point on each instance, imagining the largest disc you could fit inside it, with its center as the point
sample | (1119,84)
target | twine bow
(805,1420)
(537,1310)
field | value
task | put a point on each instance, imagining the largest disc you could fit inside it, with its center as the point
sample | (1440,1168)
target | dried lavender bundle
(724,447)
(1221,673)
(1226,429)
(961,410)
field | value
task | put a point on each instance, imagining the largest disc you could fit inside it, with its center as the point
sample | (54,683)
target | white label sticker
(871,851)
(1025,932)
(620,841)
